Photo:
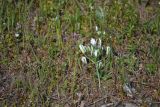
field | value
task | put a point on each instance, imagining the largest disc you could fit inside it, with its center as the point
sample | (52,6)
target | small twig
(98,100)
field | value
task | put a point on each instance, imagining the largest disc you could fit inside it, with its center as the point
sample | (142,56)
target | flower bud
(93,42)
(108,50)
(96,53)
(82,48)
(84,60)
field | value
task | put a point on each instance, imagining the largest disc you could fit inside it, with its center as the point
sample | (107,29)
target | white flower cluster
(93,51)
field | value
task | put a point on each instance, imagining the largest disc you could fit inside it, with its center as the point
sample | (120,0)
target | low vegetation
(79,53)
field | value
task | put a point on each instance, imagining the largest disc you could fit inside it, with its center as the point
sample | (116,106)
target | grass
(42,67)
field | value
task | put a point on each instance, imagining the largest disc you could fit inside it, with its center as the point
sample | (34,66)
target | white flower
(82,48)
(96,53)
(93,42)
(17,35)
(96,28)
(99,43)
(108,50)
(84,60)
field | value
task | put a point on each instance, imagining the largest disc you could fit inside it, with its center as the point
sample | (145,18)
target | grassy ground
(40,59)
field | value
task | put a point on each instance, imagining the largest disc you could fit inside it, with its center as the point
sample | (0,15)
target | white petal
(96,53)
(93,42)
(108,50)
(99,43)
(82,48)
(17,35)
(84,60)
(96,28)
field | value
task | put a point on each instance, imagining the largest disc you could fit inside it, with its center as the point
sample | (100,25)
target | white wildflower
(84,60)
(82,48)
(108,50)
(96,53)
(93,42)
(16,35)
(96,28)
(99,43)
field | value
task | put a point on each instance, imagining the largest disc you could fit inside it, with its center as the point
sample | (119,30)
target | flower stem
(99,81)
